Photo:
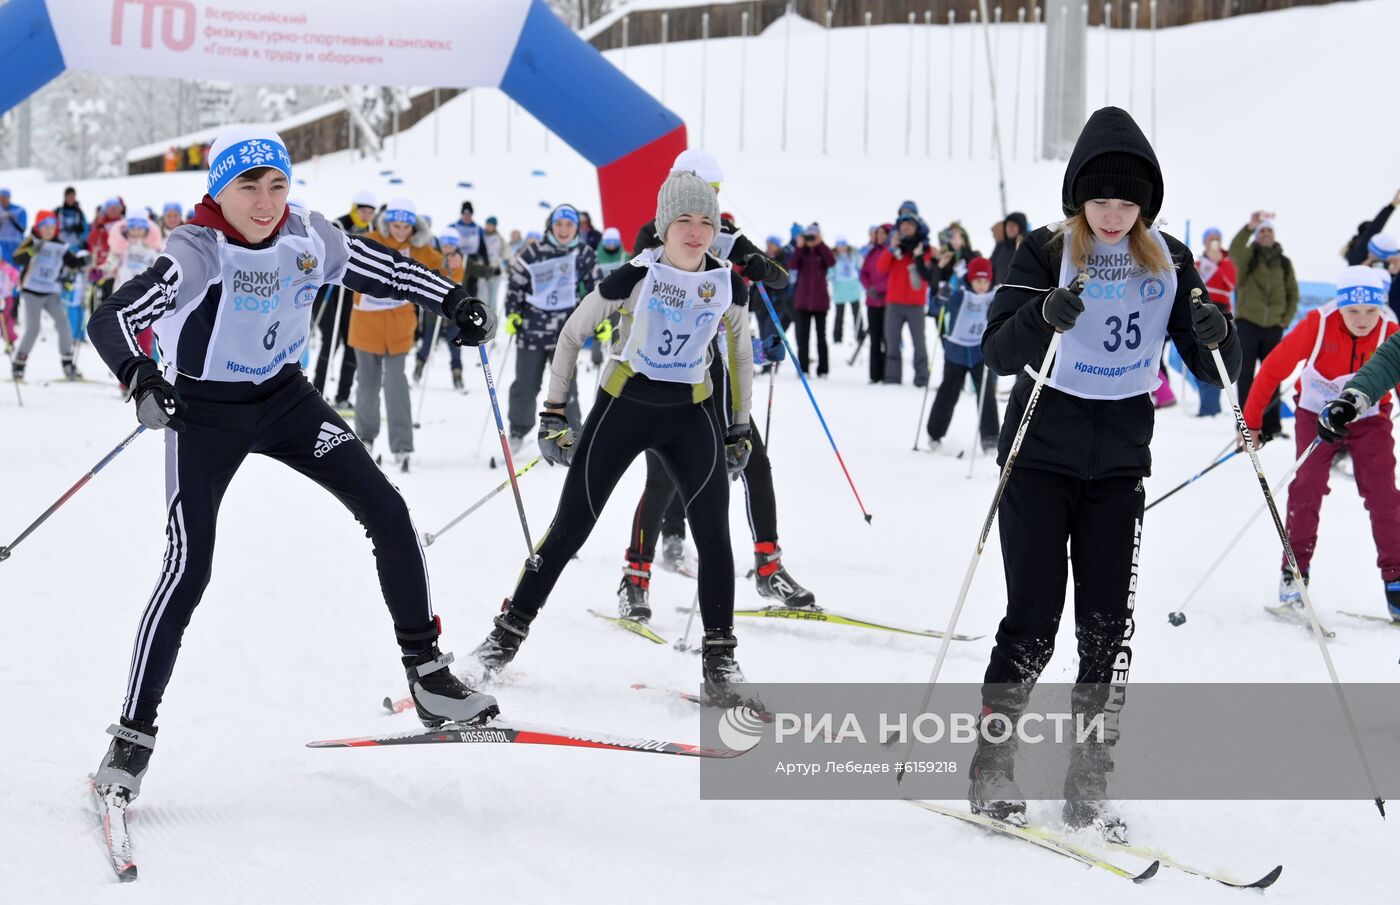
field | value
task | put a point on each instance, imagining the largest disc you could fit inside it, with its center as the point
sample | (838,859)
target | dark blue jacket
(945,311)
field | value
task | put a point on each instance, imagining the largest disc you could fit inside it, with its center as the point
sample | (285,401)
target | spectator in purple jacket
(875,282)
(811,259)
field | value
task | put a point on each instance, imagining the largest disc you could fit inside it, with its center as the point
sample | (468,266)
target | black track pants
(1101,521)
(689,441)
(287,420)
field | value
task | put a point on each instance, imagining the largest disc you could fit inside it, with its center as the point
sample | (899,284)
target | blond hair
(1144,248)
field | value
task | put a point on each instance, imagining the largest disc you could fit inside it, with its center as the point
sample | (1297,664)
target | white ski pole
(1293,564)
(987,384)
(423,382)
(682,645)
(340,391)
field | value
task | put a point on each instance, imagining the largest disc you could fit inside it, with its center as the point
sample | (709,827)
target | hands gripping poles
(1317,633)
(533,562)
(763,293)
(6,550)
(1040,377)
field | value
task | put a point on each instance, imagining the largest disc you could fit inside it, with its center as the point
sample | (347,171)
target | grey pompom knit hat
(683,192)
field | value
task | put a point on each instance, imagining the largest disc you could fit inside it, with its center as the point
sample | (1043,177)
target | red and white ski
(499,731)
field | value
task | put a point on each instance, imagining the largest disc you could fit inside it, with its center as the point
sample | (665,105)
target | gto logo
(172,12)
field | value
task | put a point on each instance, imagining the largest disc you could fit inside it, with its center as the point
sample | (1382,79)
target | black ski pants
(946,400)
(1256,343)
(804,323)
(688,439)
(875,335)
(287,420)
(1100,521)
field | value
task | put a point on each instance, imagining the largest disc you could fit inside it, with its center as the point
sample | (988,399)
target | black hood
(1020,220)
(1112,130)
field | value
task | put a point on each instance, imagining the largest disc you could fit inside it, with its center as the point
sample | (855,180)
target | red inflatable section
(629,184)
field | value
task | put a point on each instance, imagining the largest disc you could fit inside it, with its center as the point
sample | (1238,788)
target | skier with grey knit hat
(1077,482)
(655,396)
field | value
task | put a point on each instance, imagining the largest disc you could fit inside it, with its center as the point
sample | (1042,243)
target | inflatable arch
(518,46)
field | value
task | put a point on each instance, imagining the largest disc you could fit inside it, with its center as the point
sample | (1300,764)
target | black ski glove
(737,448)
(758,269)
(158,406)
(476,323)
(556,439)
(1209,324)
(1332,421)
(1061,309)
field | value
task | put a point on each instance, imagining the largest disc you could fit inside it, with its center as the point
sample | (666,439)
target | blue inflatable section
(580,96)
(30,51)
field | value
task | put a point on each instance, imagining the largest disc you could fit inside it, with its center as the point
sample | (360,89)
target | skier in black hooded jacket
(1078,475)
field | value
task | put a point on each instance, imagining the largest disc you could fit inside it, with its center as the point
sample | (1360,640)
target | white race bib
(554,282)
(138,259)
(1318,390)
(264,314)
(972,319)
(723,244)
(1115,348)
(45,267)
(678,313)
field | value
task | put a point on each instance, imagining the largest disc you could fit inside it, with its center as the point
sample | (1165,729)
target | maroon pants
(1372,449)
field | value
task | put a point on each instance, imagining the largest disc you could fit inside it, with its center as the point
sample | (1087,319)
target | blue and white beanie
(1363,286)
(1383,247)
(172,206)
(138,223)
(401,210)
(239,149)
(450,240)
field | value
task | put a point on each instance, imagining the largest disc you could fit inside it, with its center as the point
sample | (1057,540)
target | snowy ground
(292,643)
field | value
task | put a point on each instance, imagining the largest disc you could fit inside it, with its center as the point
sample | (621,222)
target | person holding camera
(911,269)
(810,261)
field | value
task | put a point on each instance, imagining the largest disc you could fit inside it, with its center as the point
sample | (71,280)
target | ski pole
(7,550)
(486,415)
(340,391)
(919,425)
(423,383)
(1040,377)
(428,538)
(1220,459)
(9,348)
(682,645)
(987,384)
(1292,560)
(1179,617)
(768,421)
(763,293)
(533,562)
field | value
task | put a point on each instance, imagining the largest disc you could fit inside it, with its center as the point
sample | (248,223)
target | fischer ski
(111,814)
(1220,877)
(1044,838)
(809,614)
(499,731)
(631,625)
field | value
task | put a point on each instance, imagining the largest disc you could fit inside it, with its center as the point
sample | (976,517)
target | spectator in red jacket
(810,260)
(113,211)
(1218,272)
(910,269)
(1332,343)
(875,282)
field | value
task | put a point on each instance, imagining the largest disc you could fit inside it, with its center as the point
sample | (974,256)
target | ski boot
(344,408)
(17,366)
(634,594)
(516,442)
(457,380)
(1392,599)
(418,365)
(124,766)
(1086,793)
(676,558)
(993,791)
(70,370)
(774,581)
(1289,594)
(440,697)
(401,461)
(722,673)
(503,643)
(989,445)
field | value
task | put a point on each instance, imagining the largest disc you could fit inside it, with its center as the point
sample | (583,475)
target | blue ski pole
(763,293)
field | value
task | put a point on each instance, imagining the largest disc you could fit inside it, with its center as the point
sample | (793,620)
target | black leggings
(327,322)
(946,399)
(689,442)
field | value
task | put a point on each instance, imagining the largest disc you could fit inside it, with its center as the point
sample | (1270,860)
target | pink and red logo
(177,22)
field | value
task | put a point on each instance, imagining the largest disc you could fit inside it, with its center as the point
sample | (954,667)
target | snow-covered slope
(292,641)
